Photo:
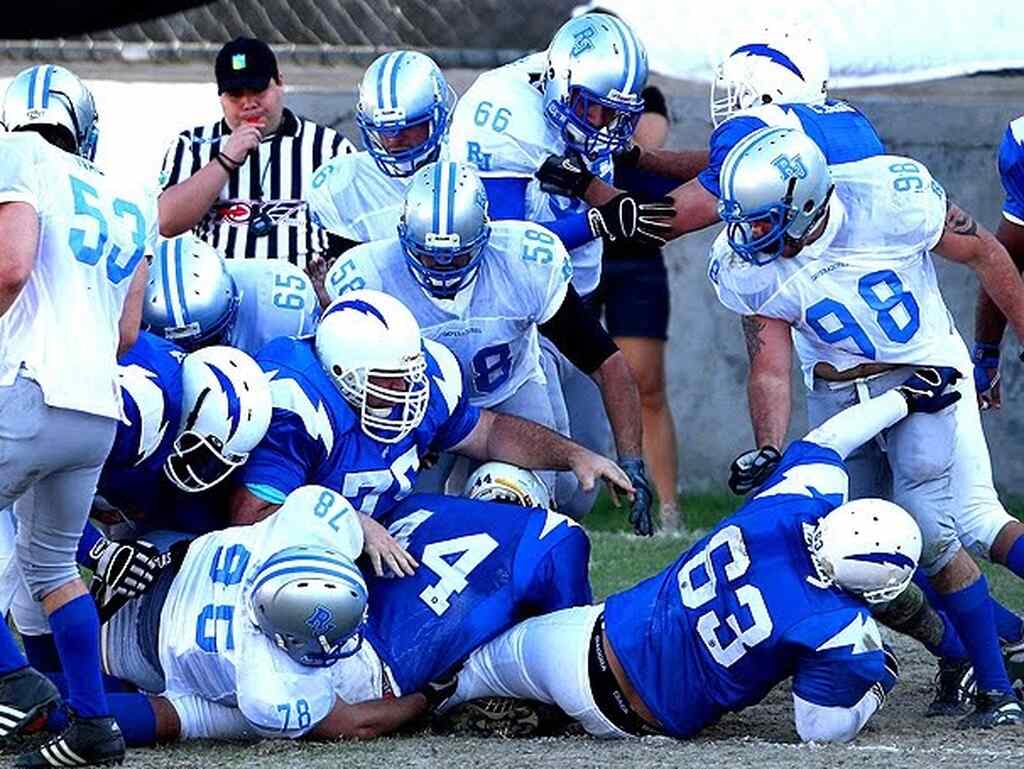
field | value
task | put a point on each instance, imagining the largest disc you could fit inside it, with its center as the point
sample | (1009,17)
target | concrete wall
(953,126)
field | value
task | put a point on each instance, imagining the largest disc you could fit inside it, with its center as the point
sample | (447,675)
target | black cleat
(992,709)
(85,742)
(954,689)
(26,696)
(502,717)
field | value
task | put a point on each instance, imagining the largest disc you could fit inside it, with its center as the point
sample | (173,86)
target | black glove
(925,390)
(442,688)
(628,159)
(125,569)
(892,674)
(752,468)
(640,512)
(565,175)
(625,218)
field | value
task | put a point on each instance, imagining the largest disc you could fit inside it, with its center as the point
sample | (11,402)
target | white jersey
(351,197)
(490,326)
(499,126)
(209,645)
(866,290)
(276,299)
(62,329)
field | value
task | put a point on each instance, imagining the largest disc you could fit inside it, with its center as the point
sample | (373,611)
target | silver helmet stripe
(631,54)
(388,80)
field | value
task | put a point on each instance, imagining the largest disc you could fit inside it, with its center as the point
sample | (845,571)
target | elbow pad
(578,335)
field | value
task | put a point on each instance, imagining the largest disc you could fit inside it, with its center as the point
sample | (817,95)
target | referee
(237,183)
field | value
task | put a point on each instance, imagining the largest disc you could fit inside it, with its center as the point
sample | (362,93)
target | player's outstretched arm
(19,242)
(131,313)
(964,240)
(373,718)
(770,349)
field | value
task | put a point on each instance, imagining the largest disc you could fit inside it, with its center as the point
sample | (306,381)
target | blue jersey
(483,567)
(743,610)
(315,436)
(842,133)
(1011,171)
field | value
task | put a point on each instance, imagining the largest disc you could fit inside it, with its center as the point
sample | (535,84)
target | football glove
(752,468)
(565,175)
(125,569)
(442,688)
(625,218)
(986,374)
(925,391)
(882,688)
(640,512)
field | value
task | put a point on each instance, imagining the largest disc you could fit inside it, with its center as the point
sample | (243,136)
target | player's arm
(183,204)
(770,349)
(131,313)
(963,240)
(365,720)
(19,241)
(247,508)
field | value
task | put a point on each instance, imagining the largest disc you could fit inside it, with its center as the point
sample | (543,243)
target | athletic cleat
(501,717)
(1013,658)
(26,696)
(992,709)
(954,689)
(85,742)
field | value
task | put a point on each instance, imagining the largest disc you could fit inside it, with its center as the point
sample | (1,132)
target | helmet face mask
(444,228)
(198,462)
(595,61)
(47,97)
(775,190)
(403,96)
(370,345)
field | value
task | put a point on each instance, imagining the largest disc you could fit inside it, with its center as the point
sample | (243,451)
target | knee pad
(43,579)
(937,553)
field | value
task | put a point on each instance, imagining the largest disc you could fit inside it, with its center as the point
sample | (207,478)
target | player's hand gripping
(124,569)
(752,468)
(927,390)
(589,468)
(640,509)
(625,218)
(986,375)
(565,175)
(381,548)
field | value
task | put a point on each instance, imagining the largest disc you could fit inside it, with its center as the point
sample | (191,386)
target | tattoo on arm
(752,328)
(959,222)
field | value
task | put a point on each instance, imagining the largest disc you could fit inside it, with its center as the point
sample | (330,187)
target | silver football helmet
(311,602)
(403,90)
(503,482)
(868,547)
(225,411)
(595,60)
(370,345)
(775,186)
(191,298)
(777,66)
(444,227)
(48,96)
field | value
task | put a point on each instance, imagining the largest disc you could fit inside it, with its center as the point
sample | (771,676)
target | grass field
(762,736)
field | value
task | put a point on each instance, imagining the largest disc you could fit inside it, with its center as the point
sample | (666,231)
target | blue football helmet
(191,298)
(48,96)
(400,91)
(775,188)
(595,60)
(444,227)
(310,601)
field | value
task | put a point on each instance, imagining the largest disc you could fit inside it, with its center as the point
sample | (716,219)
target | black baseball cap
(245,63)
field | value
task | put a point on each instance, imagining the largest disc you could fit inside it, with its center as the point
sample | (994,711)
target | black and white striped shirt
(268,185)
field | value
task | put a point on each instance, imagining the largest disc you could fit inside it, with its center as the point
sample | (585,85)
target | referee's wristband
(223,164)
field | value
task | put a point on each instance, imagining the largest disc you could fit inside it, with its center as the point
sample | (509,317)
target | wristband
(985,355)
(224,165)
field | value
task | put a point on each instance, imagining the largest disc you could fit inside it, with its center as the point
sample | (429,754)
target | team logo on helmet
(790,167)
(582,41)
(321,621)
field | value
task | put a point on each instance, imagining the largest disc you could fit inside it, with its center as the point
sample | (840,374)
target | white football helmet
(502,482)
(226,408)
(777,66)
(776,177)
(868,547)
(370,345)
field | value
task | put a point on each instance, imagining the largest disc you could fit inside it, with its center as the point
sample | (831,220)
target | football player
(72,274)
(840,259)
(283,596)
(196,298)
(356,407)
(781,588)
(484,290)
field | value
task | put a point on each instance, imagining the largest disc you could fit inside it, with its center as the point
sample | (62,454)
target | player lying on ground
(782,588)
(260,631)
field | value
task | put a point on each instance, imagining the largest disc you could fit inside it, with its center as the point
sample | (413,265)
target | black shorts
(633,297)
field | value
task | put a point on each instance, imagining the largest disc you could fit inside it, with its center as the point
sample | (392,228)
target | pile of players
(267,444)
